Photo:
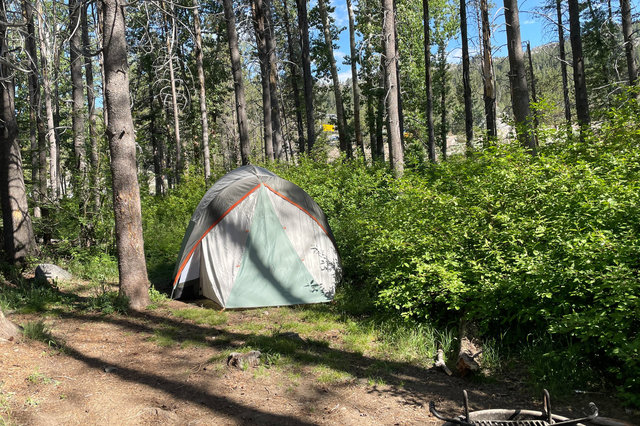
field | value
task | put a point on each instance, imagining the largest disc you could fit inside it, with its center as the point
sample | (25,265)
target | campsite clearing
(168,366)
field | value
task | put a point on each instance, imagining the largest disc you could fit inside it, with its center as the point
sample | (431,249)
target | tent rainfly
(255,240)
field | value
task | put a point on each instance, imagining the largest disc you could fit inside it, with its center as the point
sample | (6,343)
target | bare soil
(114,370)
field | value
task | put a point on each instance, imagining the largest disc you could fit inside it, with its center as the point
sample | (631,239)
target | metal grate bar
(510,423)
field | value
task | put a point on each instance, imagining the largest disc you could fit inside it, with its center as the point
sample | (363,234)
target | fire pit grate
(512,417)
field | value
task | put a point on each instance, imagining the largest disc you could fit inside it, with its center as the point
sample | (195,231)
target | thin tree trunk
(170,40)
(534,97)
(263,56)
(398,87)
(303,24)
(238,85)
(99,32)
(487,74)
(157,144)
(134,283)
(204,118)
(380,111)
(442,64)
(518,76)
(79,174)
(391,76)
(276,126)
(93,117)
(345,143)
(45,57)
(37,131)
(19,240)
(563,64)
(627,31)
(293,69)
(466,80)
(354,79)
(431,138)
(582,99)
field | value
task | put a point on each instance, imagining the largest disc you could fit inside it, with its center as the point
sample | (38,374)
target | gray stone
(51,273)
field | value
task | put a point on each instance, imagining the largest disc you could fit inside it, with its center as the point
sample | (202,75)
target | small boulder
(244,360)
(51,273)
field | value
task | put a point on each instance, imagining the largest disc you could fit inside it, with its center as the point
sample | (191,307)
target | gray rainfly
(256,239)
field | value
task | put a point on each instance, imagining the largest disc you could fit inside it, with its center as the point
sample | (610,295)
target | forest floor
(167,365)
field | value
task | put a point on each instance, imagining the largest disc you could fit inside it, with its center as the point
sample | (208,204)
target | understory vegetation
(541,253)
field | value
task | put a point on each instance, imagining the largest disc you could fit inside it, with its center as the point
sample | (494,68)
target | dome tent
(256,239)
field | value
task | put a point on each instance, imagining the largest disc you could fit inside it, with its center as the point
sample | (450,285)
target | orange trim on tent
(175,281)
(298,206)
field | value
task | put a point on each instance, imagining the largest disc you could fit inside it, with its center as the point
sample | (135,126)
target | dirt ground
(116,370)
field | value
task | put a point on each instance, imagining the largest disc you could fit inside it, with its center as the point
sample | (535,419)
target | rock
(241,361)
(52,273)
(8,330)
(469,357)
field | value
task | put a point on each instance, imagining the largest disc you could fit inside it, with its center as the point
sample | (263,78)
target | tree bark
(391,76)
(563,64)
(354,79)
(379,147)
(37,130)
(582,99)
(293,69)
(157,145)
(345,143)
(8,330)
(442,63)
(431,138)
(93,117)
(170,40)
(534,96)
(45,57)
(238,84)
(487,74)
(79,175)
(466,80)
(126,196)
(204,117)
(627,31)
(303,24)
(278,141)
(263,56)
(19,240)
(518,76)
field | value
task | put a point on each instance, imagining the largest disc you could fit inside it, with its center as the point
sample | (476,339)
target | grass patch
(327,375)
(37,378)
(157,299)
(201,316)
(165,336)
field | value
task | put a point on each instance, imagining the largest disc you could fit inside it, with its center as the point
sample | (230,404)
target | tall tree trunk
(398,87)
(379,147)
(391,76)
(126,196)
(627,31)
(518,76)
(534,96)
(18,230)
(431,141)
(345,143)
(204,118)
(488,79)
(170,41)
(303,24)
(79,174)
(293,69)
(354,79)
(263,56)
(442,64)
(93,117)
(563,64)
(45,58)
(157,145)
(238,85)
(466,80)
(37,130)
(582,99)
(276,126)
(99,32)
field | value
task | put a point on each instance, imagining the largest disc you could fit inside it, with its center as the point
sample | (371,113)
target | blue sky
(534,28)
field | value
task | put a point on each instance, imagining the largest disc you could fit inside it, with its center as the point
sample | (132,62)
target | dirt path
(160,368)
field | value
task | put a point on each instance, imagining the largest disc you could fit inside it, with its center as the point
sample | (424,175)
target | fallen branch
(440,362)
